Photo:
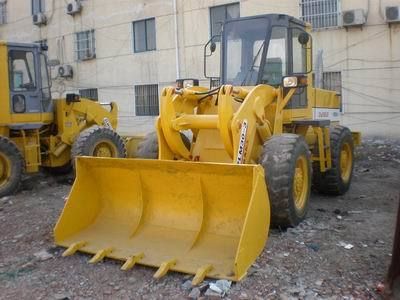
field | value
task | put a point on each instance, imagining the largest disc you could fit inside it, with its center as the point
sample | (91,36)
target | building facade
(127,51)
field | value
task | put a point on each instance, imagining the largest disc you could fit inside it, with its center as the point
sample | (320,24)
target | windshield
(244,48)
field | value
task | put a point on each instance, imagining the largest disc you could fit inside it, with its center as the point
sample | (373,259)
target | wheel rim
(105,149)
(346,162)
(300,183)
(5,169)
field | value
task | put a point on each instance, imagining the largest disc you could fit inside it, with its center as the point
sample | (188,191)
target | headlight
(290,82)
(18,102)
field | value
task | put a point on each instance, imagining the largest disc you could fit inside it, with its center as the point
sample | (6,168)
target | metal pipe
(178,72)
(185,122)
(60,149)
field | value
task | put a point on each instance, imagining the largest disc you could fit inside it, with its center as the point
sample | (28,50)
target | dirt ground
(307,262)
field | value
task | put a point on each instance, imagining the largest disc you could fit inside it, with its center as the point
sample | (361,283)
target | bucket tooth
(131,261)
(100,255)
(201,273)
(73,248)
(164,268)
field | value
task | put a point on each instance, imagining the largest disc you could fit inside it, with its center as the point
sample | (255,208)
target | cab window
(22,70)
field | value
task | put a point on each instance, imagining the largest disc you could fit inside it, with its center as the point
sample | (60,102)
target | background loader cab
(28,88)
(36,130)
(29,81)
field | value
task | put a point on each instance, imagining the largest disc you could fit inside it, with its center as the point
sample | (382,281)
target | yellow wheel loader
(222,162)
(38,131)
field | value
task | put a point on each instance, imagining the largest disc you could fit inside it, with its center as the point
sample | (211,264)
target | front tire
(11,167)
(98,141)
(337,180)
(148,148)
(287,163)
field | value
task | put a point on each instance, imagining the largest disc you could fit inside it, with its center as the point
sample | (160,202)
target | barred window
(146,100)
(91,94)
(38,6)
(3,12)
(85,47)
(321,13)
(144,35)
(220,14)
(333,81)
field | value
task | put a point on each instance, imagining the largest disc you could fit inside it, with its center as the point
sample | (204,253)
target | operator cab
(29,79)
(264,49)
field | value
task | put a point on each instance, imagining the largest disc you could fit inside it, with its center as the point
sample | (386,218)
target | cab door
(25,87)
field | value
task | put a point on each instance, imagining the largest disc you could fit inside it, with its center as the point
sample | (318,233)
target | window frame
(322,16)
(142,112)
(89,91)
(31,71)
(42,6)
(3,13)
(325,86)
(226,13)
(91,45)
(147,49)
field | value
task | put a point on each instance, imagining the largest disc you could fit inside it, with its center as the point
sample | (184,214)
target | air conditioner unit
(392,14)
(65,71)
(39,19)
(355,17)
(74,7)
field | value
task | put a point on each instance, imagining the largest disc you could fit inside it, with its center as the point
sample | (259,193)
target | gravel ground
(307,262)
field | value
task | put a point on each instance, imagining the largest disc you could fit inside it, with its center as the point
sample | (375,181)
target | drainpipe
(178,73)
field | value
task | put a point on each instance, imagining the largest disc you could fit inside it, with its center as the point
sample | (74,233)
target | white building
(128,50)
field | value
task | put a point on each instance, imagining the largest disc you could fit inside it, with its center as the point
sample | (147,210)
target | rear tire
(11,167)
(98,141)
(148,148)
(337,180)
(287,163)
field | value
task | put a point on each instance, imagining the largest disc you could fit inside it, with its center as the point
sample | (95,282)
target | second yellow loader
(201,203)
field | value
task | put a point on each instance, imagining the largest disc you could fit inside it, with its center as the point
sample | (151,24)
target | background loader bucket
(200,218)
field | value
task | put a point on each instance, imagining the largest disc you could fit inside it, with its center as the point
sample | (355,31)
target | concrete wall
(368,57)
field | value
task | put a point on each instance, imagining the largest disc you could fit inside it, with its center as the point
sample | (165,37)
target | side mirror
(213,47)
(304,38)
(210,60)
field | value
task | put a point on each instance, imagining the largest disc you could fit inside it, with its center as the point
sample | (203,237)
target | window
(85,45)
(38,6)
(23,76)
(276,64)
(320,13)
(146,100)
(333,81)
(45,78)
(244,50)
(91,94)
(222,13)
(144,35)
(3,12)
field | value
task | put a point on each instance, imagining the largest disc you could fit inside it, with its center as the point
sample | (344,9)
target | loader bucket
(205,219)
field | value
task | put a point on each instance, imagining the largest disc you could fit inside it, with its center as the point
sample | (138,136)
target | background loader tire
(11,167)
(336,181)
(98,141)
(287,163)
(148,148)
